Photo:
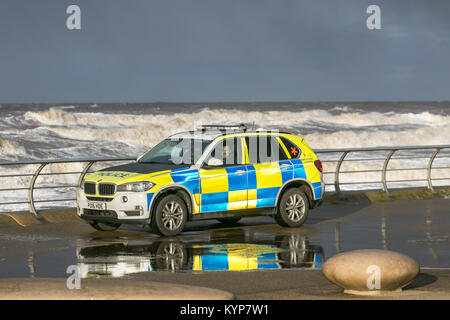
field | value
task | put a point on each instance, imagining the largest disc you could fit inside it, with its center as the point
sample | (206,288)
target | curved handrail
(430,166)
(337,170)
(31,190)
(383,175)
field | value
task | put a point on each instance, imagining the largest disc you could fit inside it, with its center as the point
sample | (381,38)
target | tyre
(171,256)
(230,220)
(293,208)
(295,251)
(104,226)
(170,216)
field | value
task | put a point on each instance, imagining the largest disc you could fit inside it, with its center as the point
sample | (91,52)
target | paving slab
(104,289)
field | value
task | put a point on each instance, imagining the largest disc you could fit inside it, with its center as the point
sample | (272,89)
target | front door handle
(240,172)
(284,166)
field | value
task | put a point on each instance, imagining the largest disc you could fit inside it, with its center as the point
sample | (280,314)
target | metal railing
(430,153)
(433,153)
(37,173)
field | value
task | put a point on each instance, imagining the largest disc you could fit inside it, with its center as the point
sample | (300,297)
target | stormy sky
(228,50)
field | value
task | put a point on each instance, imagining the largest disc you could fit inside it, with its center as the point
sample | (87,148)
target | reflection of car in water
(282,251)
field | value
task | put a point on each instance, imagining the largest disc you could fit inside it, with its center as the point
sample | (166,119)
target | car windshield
(177,151)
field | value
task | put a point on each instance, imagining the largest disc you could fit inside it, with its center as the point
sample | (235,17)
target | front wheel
(170,216)
(171,256)
(293,208)
(103,226)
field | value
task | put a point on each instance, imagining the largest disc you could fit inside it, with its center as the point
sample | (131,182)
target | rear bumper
(318,198)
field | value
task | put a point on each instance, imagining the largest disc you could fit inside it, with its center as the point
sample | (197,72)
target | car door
(224,187)
(268,169)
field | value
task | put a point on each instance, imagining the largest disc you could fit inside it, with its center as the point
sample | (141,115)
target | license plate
(96,205)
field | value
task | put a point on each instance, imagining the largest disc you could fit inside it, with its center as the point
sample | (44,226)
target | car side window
(264,148)
(227,151)
(293,150)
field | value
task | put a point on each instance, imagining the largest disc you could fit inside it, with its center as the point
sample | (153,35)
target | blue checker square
(265,203)
(299,172)
(215,198)
(266,193)
(251,177)
(236,182)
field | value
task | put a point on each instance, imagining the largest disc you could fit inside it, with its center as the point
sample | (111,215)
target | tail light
(318,165)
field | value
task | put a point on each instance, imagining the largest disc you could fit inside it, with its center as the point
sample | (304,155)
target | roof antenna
(253,126)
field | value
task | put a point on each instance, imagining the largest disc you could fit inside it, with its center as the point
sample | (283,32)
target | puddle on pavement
(249,246)
(292,250)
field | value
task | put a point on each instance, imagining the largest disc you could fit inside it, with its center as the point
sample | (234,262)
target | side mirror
(214,162)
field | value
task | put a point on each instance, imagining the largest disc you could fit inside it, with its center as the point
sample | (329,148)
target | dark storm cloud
(210,50)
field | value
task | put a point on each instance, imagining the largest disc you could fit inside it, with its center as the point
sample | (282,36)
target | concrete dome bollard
(370,271)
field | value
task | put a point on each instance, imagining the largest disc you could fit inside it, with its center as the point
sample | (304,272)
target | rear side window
(229,151)
(293,150)
(264,148)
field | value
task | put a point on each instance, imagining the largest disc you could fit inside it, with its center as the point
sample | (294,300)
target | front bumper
(134,210)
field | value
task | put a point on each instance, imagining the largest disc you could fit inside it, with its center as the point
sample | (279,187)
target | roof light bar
(223,126)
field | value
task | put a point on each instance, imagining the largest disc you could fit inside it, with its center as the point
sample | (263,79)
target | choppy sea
(53,131)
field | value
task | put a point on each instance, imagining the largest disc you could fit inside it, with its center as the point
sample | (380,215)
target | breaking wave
(321,128)
(68,132)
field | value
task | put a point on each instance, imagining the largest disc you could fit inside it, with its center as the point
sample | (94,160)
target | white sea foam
(11,148)
(146,130)
(64,132)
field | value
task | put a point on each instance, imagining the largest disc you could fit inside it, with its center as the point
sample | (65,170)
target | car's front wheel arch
(183,194)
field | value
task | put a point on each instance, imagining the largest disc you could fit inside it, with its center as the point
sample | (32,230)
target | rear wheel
(293,208)
(295,250)
(104,226)
(170,216)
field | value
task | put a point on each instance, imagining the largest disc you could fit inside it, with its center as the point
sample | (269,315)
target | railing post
(336,173)
(31,189)
(430,165)
(85,170)
(383,174)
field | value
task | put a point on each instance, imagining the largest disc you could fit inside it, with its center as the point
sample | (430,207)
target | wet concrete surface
(417,228)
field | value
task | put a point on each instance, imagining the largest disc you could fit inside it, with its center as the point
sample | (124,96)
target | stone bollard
(370,272)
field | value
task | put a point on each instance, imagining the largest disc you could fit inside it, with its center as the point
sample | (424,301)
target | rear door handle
(240,172)
(285,165)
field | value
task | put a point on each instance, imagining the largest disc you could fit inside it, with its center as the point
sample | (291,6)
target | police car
(222,172)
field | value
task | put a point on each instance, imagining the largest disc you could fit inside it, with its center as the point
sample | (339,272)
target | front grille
(89,188)
(99,199)
(106,189)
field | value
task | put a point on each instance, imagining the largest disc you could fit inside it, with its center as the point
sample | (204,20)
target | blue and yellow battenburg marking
(236,257)
(242,257)
(186,177)
(225,189)
(242,187)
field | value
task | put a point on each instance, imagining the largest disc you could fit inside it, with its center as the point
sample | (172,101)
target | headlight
(135,186)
